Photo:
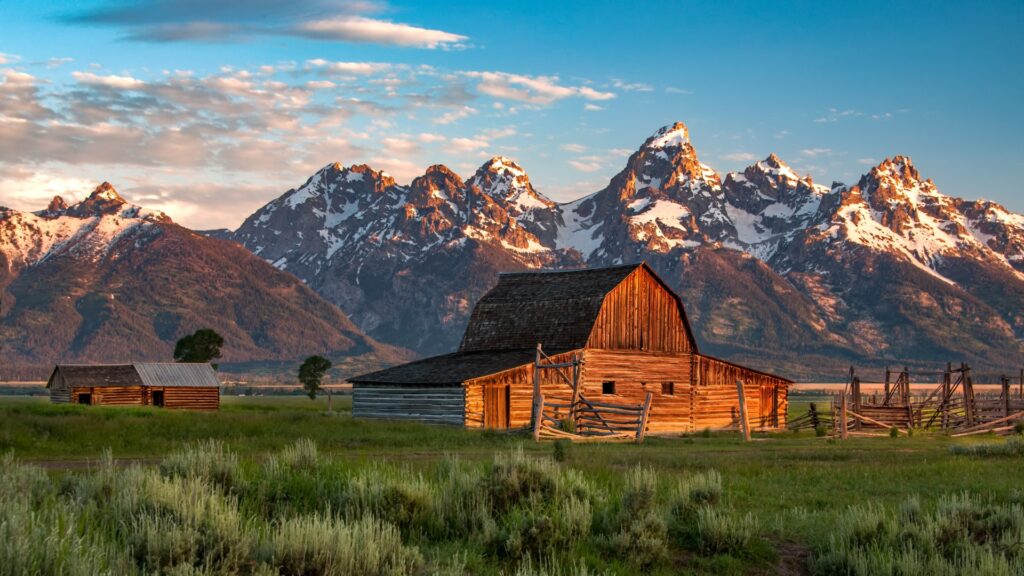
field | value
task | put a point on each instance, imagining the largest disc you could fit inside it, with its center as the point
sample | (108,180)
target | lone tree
(311,373)
(201,346)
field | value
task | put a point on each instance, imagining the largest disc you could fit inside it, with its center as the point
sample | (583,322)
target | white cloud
(815,152)
(541,90)
(585,165)
(357,68)
(111,81)
(867,161)
(592,107)
(740,157)
(8,58)
(462,145)
(429,138)
(369,30)
(574,148)
(455,115)
(674,90)
(634,87)
(835,114)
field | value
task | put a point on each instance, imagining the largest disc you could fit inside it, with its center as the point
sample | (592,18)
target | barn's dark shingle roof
(557,309)
(91,375)
(450,369)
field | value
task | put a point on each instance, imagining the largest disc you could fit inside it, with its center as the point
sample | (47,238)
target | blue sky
(208,110)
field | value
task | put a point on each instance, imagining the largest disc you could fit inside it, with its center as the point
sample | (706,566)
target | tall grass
(1012,447)
(962,535)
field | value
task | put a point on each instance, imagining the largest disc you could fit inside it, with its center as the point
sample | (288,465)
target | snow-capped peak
(670,136)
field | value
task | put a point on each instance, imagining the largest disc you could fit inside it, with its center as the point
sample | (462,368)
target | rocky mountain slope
(775,269)
(105,280)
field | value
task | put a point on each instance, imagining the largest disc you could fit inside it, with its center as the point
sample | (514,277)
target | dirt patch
(793,558)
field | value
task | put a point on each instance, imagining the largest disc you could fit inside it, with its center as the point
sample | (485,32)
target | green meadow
(277,485)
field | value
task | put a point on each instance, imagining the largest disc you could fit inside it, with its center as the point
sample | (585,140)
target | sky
(208,110)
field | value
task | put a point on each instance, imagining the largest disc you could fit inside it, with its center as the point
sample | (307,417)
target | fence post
(1005,380)
(745,425)
(842,417)
(641,431)
(539,420)
(537,403)
(888,375)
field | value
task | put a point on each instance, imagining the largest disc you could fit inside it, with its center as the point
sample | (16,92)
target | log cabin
(624,328)
(167,385)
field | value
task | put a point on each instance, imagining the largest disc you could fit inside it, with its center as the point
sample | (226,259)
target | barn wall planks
(717,404)
(640,314)
(637,373)
(520,383)
(428,404)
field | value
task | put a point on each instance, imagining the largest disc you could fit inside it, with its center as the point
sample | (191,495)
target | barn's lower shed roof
(93,375)
(450,369)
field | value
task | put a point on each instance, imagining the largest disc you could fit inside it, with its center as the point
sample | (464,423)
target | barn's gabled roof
(96,375)
(557,309)
(450,369)
(139,374)
(166,375)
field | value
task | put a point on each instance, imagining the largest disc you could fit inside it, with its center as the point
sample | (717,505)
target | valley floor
(794,490)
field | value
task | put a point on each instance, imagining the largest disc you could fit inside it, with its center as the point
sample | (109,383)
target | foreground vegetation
(277,486)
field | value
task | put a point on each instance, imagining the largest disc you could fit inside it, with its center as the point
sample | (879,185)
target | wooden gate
(496,406)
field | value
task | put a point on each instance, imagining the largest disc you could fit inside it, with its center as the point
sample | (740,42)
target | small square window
(668,388)
(607,387)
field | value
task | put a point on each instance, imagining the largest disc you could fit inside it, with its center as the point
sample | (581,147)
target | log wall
(110,395)
(186,397)
(637,373)
(640,314)
(426,404)
(717,402)
(520,383)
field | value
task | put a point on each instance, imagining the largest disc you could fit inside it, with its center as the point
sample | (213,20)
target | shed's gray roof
(177,374)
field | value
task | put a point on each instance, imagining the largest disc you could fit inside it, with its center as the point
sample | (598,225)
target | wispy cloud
(740,157)
(632,87)
(532,89)
(574,148)
(815,152)
(232,20)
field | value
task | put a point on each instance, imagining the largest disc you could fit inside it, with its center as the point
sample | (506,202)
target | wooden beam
(642,429)
(744,424)
(843,432)
(986,425)
(875,422)
(538,421)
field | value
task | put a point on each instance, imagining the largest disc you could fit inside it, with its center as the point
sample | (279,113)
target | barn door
(496,406)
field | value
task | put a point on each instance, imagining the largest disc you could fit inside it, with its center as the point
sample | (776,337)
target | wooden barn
(169,385)
(618,335)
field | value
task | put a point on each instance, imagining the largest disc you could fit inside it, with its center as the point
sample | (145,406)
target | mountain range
(776,270)
(104,280)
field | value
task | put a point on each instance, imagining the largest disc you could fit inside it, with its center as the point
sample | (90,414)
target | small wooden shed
(166,385)
(622,327)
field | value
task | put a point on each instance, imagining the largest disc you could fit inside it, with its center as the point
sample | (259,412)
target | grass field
(782,504)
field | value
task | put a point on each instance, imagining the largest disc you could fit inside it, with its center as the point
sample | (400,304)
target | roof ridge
(571,270)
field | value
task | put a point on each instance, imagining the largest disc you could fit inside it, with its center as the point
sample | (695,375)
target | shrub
(721,532)
(696,490)
(324,546)
(516,479)
(961,536)
(406,501)
(820,431)
(642,534)
(563,448)
(209,460)
(1012,447)
(894,432)
(1018,427)
(302,455)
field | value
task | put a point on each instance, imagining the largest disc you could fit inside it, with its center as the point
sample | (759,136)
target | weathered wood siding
(427,404)
(639,314)
(59,391)
(717,403)
(110,395)
(185,397)
(520,383)
(637,373)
